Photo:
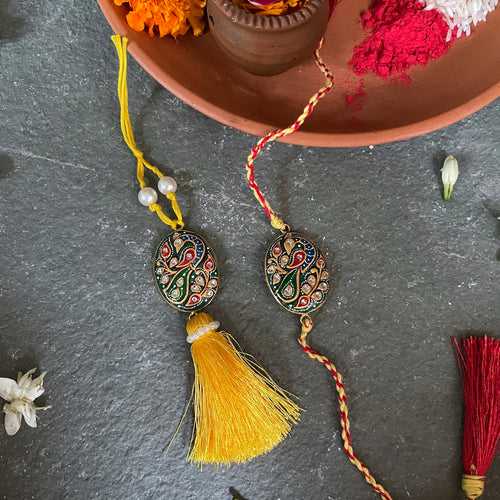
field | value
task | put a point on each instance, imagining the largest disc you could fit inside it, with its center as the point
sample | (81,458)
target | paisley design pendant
(296,274)
(186,271)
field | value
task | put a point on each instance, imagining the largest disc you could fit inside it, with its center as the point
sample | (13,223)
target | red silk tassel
(479,362)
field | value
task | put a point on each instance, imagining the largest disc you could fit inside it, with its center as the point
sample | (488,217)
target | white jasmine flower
(20,397)
(449,176)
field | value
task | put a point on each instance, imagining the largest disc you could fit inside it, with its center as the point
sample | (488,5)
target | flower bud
(449,176)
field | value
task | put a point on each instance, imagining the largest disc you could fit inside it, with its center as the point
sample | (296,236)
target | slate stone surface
(77,298)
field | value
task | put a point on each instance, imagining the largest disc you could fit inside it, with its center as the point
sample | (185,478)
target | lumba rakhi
(239,411)
(296,273)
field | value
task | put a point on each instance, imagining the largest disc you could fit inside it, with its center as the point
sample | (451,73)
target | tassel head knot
(198,320)
(472,486)
(278,223)
(198,325)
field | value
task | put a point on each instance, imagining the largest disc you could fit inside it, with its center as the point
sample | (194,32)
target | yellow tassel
(240,412)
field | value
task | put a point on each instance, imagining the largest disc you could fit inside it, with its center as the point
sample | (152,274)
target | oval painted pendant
(296,273)
(186,271)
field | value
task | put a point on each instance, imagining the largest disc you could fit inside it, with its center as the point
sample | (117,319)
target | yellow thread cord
(181,421)
(240,412)
(472,486)
(128,136)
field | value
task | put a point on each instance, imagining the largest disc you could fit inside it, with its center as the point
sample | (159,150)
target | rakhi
(239,411)
(296,272)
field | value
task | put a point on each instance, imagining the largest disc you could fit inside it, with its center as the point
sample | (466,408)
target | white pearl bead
(147,196)
(167,185)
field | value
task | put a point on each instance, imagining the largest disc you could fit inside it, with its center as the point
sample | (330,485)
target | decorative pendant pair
(240,412)
(187,276)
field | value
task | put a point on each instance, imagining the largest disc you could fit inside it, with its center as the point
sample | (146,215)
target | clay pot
(267,45)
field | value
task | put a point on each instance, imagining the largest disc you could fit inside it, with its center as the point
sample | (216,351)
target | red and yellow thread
(345,424)
(306,320)
(277,134)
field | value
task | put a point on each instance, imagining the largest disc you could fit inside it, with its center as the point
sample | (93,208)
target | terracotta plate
(449,89)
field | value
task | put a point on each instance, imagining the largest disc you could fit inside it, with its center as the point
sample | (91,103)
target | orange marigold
(165,17)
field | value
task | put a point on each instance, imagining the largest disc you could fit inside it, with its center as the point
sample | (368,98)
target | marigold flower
(165,17)
(269,7)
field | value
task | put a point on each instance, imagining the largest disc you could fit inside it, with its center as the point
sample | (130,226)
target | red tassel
(479,362)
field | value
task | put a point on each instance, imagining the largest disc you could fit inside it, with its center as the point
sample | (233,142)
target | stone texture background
(76,296)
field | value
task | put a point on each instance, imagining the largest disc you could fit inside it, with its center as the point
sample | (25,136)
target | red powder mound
(402,34)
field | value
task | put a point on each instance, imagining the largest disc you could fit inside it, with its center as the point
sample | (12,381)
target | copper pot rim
(255,22)
(315,138)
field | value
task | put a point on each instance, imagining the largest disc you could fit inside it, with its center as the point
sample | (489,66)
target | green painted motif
(296,274)
(186,271)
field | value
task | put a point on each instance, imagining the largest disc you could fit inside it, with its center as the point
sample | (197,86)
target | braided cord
(306,321)
(307,326)
(128,136)
(274,135)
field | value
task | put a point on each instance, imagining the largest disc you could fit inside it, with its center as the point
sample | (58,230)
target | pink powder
(355,100)
(401,35)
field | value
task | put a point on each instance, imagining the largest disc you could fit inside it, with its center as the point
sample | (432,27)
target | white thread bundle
(461,15)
